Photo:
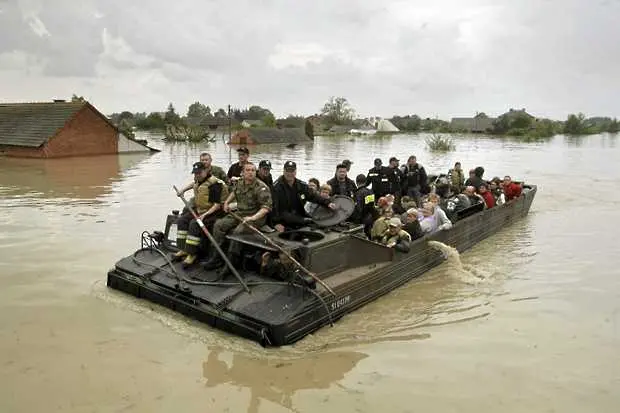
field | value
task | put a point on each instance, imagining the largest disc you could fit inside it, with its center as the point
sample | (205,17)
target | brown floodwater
(531,322)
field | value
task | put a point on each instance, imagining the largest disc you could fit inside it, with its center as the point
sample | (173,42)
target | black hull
(277,314)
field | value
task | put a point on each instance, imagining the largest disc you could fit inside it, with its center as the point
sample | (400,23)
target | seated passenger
(208,194)
(254,202)
(495,187)
(512,190)
(484,192)
(434,219)
(412,226)
(325,191)
(474,197)
(289,197)
(381,224)
(314,184)
(395,237)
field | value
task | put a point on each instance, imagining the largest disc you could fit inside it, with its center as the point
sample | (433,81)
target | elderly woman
(411,224)
(433,219)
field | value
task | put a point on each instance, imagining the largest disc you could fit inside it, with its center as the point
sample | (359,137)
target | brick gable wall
(86,134)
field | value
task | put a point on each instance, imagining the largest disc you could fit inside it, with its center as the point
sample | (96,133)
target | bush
(438,143)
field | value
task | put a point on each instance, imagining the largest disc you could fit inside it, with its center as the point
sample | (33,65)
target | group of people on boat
(395,204)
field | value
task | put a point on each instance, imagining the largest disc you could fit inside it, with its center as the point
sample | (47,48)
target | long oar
(273,244)
(215,244)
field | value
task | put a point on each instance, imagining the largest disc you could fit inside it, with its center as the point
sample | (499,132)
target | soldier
(253,204)
(457,177)
(208,194)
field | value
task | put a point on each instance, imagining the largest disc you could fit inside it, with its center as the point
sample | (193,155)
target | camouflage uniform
(250,199)
(219,173)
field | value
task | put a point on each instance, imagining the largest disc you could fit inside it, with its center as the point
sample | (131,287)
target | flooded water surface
(526,321)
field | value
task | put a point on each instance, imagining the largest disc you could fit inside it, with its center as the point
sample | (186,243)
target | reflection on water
(277,380)
(75,178)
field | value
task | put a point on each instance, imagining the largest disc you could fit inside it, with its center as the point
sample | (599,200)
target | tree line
(338,111)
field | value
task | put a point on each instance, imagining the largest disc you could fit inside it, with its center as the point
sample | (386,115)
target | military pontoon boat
(353,271)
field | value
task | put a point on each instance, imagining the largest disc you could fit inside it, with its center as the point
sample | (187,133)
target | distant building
(251,123)
(478,124)
(257,136)
(214,123)
(58,129)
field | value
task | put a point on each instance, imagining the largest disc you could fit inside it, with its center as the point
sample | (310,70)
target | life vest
(201,193)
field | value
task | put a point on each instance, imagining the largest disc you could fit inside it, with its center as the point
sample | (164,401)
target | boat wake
(465,273)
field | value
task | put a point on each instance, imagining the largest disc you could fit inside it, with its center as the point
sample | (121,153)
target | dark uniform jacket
(347,188)
(235,170)
(364,206)
(289,201)
(395,178)
(378,178)
(267,180)
(415,177)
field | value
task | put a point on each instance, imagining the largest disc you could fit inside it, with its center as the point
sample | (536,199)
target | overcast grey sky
(435,58)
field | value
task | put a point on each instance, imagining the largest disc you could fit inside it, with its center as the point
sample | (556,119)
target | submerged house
(58,129)
(257,136)
(478,124)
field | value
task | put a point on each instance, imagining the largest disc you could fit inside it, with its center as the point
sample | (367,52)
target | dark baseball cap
(394,159)
(243,149)
(347,162)
(197,167)
(264,164)
(290,166)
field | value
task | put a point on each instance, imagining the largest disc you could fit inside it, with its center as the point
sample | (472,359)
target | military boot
(214,261)
(235,260)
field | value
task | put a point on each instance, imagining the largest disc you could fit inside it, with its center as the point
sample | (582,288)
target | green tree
(256,112)
(196,112)
(171,116)
(575,124)
(614,126)
(338,111)
(269,120)
(309,129)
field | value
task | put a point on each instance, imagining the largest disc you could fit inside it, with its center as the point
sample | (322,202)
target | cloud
(443,58)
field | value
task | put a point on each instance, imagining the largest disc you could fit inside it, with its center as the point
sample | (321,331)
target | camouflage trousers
(231,225)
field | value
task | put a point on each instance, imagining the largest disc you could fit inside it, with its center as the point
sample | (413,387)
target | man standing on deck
(341,184)
(236,170)
(254,202)
(210,169)
(264,173)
